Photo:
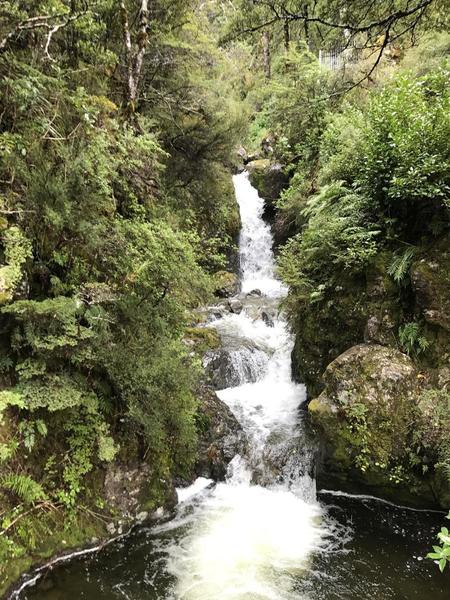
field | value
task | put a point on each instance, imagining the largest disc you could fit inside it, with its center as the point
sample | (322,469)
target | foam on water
(255,242)
(246,541)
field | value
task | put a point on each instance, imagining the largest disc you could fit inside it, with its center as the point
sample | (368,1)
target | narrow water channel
(265,533)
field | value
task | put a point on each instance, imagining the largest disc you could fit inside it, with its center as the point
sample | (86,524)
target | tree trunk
(266,54)
(134,58)
(306,27)
(287,35)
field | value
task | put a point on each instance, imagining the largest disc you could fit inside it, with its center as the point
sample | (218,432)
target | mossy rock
(324,330)
(270,180)
(202,339)
(226,284)
(430,277)
(367,418)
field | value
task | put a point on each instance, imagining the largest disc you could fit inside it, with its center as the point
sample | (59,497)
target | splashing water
(253,535)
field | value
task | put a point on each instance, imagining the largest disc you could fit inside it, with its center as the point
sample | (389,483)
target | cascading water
(262,535)
(254,533)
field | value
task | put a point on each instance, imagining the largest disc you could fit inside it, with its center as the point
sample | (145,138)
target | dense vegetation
(118,122)
(363,227)
(116,210)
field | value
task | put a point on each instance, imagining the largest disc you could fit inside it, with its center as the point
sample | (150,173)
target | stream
(266,533)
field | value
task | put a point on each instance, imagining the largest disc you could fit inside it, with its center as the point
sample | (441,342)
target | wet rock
(270,180)
(230,367)
(286,459)
(221,436)
(365,415)
(235,305)
(254,294)
(130,489)
(202,339)
(380,328)
(267,319)
(226,284)
(242,153)
(430,278)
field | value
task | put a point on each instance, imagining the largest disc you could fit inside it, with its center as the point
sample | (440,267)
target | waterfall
(255,242)
(253,534)
(261,534)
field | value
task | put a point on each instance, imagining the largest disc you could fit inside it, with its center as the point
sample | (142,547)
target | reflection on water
(374,551)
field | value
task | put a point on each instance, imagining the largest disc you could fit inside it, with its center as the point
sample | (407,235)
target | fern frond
(24,487)
(400,265)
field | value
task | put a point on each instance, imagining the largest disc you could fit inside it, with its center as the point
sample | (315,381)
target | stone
(221,436)
(365,414)
(111,528)
(430,279)
(235,305)
(254,294)
(380,329)
(130,489)
(142,516)
(270,180)
(226,284)
(266,319)
(230,367)
(242,153)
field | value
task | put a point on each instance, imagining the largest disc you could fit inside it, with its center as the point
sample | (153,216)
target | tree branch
(41,22)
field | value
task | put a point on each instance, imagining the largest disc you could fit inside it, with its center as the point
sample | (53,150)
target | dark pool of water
(382,559)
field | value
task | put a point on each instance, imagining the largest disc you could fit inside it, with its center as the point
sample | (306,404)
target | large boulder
(367,415)
(221,436)
(230,367)
(363,308)
(132,491)
(226,284)
(270,180)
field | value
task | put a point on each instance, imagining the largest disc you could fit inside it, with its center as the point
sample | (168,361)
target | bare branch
(41,22)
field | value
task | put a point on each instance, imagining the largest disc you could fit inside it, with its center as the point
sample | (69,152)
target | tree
(366,29)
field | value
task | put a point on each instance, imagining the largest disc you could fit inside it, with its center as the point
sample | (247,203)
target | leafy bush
(404,163)
(337,238)
(441,553)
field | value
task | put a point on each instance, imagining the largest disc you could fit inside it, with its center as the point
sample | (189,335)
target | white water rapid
(251,537)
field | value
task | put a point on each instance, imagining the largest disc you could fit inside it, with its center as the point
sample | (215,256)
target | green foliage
(441,553)
(405,158)
(294,112)
(337,238)
(17,250)
(400,265)
(411,338)
(113,217)
(24,487)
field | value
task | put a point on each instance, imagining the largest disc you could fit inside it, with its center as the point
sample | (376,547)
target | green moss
(381,429)
(67,534)
(268,178)
(203,338)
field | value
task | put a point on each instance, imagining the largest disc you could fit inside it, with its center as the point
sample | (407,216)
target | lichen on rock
(368,417)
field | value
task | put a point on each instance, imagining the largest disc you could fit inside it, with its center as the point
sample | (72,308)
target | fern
(24,487)
(400,265)
(411,339)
